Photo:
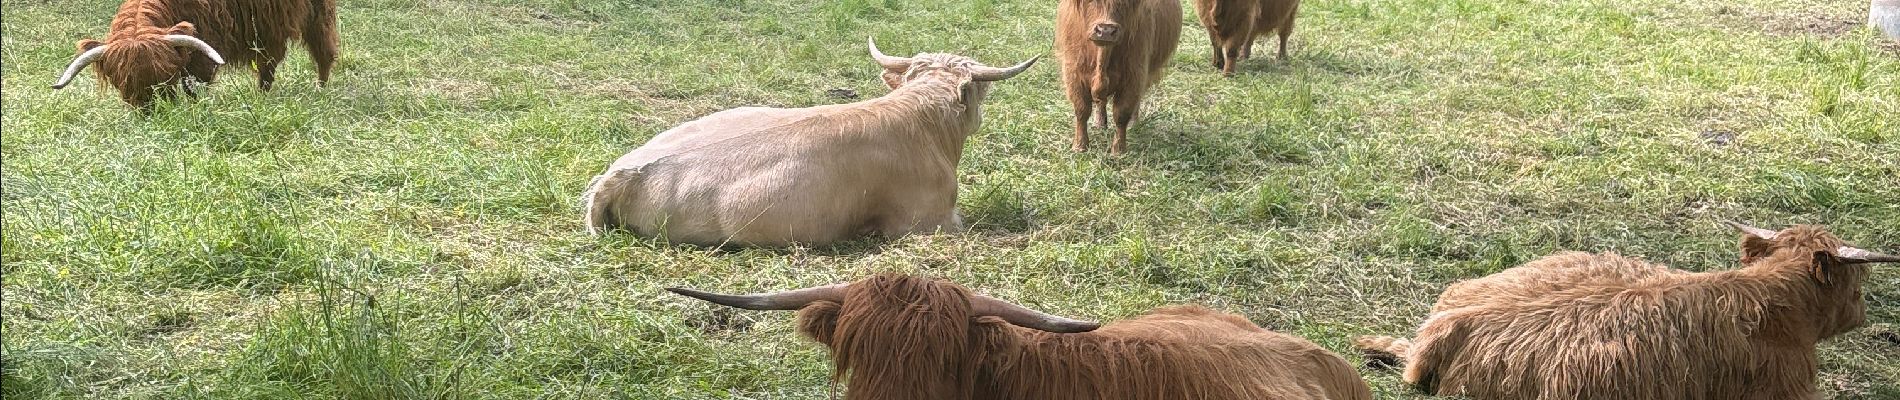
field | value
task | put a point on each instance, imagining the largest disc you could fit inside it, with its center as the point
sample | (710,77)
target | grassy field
(412,230)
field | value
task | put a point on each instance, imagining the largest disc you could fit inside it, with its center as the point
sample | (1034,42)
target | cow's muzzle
(1106,33)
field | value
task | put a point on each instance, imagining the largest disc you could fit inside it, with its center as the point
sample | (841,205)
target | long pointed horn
(192,42)
(1027,318)
(786,300)
(1852,255)
(987,74)
(1757,232)
(887,61)
(79,63)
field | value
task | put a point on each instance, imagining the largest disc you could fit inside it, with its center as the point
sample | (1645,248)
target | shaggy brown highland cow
(904,337)
(155,44)
(1232,26)
(1602,326)
(1113,51)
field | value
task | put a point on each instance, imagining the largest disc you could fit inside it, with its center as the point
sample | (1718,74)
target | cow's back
(1588,343)
(1250,361)
(1556,272)
(238,29)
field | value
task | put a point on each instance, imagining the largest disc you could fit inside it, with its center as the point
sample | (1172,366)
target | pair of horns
(980,305)
(1850,255)
(92,56)
(977,73)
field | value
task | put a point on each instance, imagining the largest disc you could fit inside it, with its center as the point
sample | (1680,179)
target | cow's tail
(1384,350)
(602,195)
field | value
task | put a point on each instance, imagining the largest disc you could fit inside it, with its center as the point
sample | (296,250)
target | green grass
(412,230)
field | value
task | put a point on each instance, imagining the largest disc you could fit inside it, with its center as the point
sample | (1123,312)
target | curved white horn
(786,300)
(1752,231)
(1027,318)
(986,74)
(79,63)
(1852,255)
(888,62)
(192,42)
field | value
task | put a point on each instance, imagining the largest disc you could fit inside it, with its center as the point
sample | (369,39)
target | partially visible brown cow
(1113,50)
(778,176)
(1576,326)
(1232,26)
(154,44)
(908,337)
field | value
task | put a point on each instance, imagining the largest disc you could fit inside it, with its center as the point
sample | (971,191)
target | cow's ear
(819,322)
(1822,264)
(183,28)
(1754,248)
(992,344)
(88,44)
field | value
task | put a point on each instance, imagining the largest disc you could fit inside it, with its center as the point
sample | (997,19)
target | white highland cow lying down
(776,176)
(1602,326)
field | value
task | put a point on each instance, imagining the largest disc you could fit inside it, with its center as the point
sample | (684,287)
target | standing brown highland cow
(1113,50)
(1232,26)
(1576,326)
(154,44)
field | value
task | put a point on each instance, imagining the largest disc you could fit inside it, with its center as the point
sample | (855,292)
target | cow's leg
(1101,114)
(1246,49)
(1220,56)
(319,36)
(1286,29)
(1127,107)
(949,223)
(1793,377)
(1079,98)
(1233,60)
(322,52)
(267,64)
(926,209)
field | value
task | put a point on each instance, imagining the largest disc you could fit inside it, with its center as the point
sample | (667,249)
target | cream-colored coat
(774,176)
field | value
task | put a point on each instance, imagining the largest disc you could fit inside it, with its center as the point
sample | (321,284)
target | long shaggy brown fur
(1589,326)
(903,337)
(1095,72)
(141,65)
(1232,26)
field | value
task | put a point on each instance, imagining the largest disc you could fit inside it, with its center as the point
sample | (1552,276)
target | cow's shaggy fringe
(1588,326)
(913,338)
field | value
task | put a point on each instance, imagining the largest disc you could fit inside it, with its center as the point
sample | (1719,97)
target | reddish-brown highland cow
(1113,51)
(1232,26)
(906,337)
(155,44)
(1601,326)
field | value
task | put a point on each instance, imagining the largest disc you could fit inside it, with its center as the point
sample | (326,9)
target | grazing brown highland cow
(155,44)
(904,337)
(1232,26)
(1113,51)
(1601,326)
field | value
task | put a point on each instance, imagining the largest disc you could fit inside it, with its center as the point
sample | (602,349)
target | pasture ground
(412,230)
